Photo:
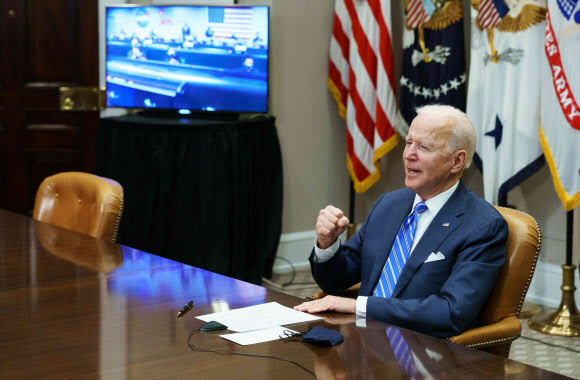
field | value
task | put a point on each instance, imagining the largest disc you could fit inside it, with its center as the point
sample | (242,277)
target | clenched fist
(330,224)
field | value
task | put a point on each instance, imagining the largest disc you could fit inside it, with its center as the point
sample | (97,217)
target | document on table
(257,336)
(258,317)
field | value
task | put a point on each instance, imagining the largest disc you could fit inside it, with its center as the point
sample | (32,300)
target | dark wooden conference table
(78,307)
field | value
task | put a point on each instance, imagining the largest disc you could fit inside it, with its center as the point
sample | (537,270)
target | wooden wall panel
(51,31)
(50,44)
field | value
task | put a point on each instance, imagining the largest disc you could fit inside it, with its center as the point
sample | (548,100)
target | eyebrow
(421,142)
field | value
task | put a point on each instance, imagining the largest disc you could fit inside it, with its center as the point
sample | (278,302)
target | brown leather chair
(498,324)
(81,202)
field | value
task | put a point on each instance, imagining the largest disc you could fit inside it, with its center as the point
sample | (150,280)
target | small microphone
(185,309)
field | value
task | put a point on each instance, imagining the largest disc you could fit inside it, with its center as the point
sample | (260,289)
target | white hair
(462,130)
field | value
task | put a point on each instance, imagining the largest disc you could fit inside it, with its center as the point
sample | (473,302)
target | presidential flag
(362,80)
(503,99)
(560,131)
(433,68)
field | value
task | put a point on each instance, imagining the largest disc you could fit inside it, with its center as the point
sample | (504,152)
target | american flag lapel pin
(445,224)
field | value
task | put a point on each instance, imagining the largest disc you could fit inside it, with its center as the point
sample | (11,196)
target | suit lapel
(435,234)
(396,215)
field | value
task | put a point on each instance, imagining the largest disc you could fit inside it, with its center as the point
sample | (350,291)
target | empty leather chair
(81,202)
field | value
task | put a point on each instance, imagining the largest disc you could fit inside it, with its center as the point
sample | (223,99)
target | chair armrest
(351,292)
(316,296)
(504,331)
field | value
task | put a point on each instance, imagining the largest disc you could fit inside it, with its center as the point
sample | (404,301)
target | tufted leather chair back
(507,295)
(81,202)
(498,322)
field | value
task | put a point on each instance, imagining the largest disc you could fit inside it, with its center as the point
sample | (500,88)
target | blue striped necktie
(399,254)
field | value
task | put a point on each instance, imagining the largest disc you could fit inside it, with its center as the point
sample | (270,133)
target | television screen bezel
(186,111)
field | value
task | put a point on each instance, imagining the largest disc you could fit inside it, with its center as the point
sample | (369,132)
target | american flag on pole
(491,12)
(416,13)
(362,80)
(227,22)
(560,131)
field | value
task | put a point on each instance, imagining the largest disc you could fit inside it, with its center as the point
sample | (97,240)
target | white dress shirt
(434,205)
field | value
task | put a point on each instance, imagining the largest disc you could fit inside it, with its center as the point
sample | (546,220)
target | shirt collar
(436,203)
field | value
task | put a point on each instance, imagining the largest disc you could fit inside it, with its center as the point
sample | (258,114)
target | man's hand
(328,303)
(330,224)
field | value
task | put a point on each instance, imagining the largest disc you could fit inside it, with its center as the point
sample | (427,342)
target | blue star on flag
(497,132)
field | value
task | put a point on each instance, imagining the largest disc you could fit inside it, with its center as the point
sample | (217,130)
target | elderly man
(426,256)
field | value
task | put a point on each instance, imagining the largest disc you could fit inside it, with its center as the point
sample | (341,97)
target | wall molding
(544,289)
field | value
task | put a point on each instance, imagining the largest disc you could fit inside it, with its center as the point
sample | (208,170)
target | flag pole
(351,209)
(502,201)
(569,233)
(566,320)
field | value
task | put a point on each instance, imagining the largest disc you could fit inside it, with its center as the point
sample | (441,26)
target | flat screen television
(197,58)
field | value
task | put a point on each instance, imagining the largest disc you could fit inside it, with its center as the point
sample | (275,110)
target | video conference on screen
(188,57)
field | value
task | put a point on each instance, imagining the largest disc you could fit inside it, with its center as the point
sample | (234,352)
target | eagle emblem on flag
(516,16)
(506,33)
(433,58)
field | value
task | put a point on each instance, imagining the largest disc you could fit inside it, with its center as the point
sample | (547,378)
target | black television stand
(199,115)
(202,192)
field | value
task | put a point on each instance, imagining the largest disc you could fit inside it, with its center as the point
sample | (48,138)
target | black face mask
(319,336)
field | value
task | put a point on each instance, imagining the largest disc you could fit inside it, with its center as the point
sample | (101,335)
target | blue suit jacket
(440,298)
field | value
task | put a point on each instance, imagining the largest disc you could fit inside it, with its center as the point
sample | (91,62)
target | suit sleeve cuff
(322,255)
(361,306)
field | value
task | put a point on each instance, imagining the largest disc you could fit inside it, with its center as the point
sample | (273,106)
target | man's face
(427,163)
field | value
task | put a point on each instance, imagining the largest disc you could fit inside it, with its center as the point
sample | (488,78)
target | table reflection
(412,355)
(96,254)
(185,283)
(392,352)
(401,350)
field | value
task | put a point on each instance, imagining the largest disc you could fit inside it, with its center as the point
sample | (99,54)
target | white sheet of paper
(258,317)
(257,336)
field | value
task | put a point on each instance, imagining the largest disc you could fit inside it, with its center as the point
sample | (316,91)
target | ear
(459,158)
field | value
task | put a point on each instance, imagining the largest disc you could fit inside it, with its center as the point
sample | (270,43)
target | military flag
(503,99)
(433,68)
(560,131)
(362,80)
